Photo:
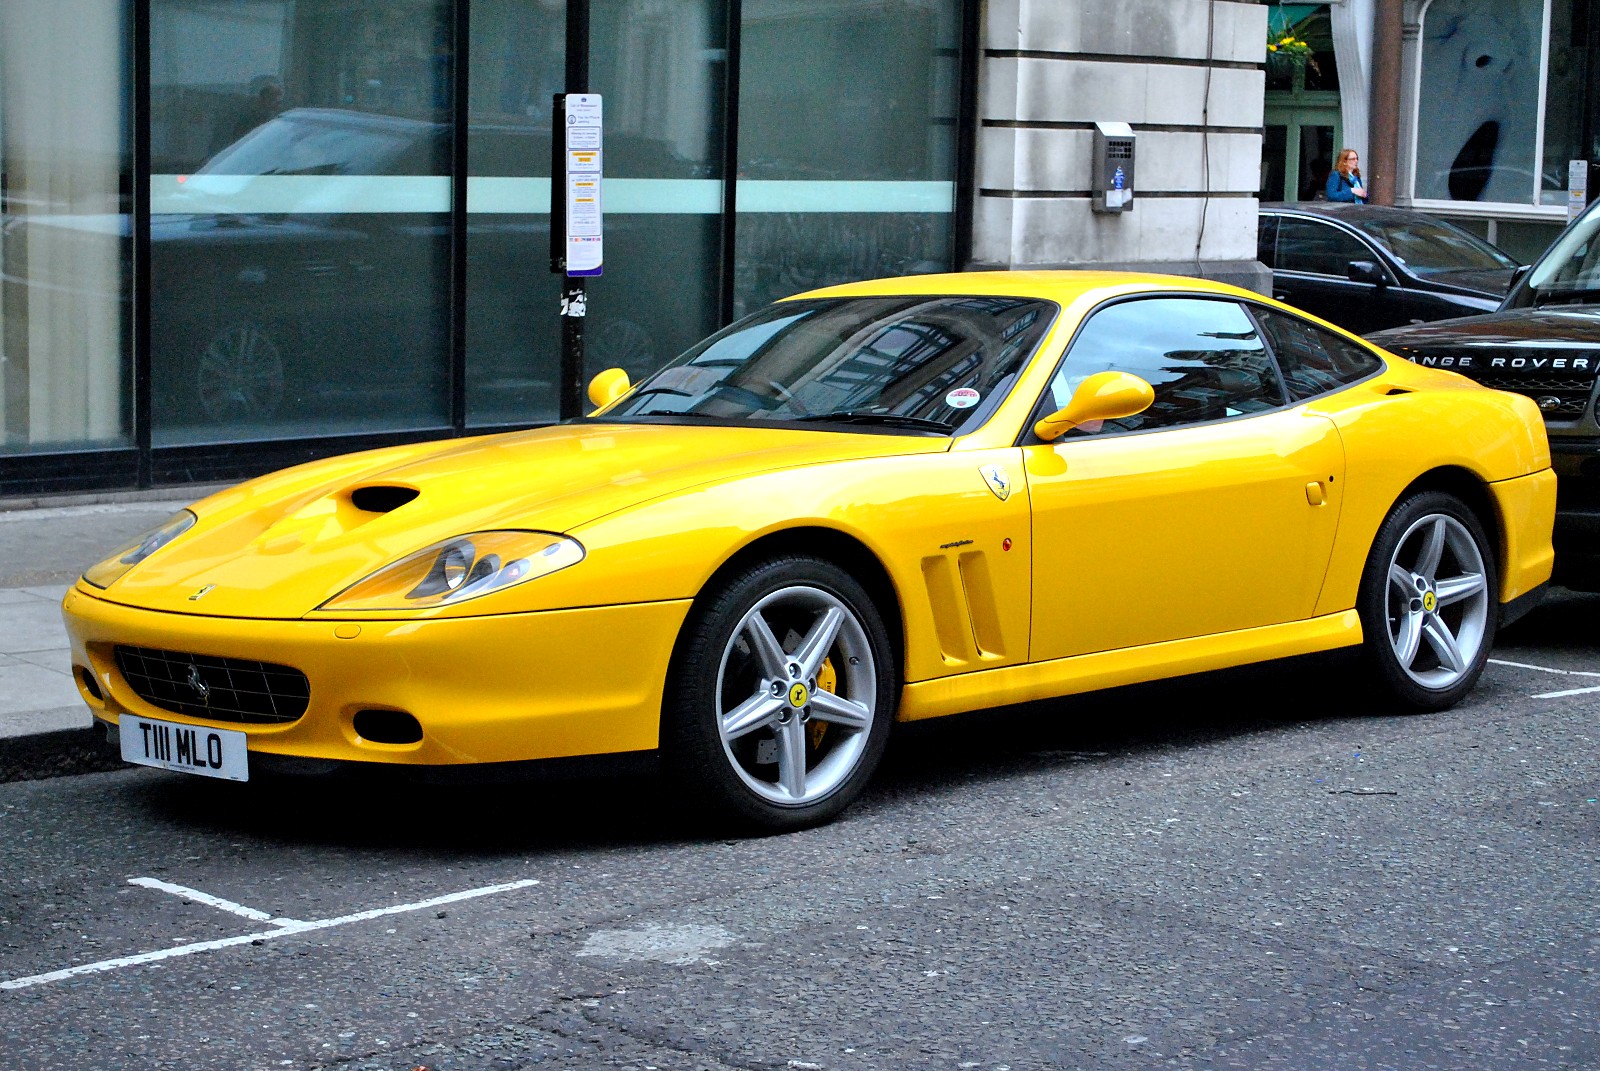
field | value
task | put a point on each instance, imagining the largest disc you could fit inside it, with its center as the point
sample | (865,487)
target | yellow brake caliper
(827,681)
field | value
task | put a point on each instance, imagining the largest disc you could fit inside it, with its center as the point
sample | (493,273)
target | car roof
(1346,211)
(1052,285)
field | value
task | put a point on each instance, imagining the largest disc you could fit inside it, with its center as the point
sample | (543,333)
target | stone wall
(1051,68)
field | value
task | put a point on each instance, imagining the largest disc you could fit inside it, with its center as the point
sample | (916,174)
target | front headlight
(102,575)
(459,569)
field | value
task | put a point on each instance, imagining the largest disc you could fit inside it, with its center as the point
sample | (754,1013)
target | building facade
(236,234)
(1496,99)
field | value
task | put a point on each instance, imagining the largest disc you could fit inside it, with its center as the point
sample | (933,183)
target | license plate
(185,748)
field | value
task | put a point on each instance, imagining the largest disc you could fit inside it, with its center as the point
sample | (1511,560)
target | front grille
(1570,392)
(217,689)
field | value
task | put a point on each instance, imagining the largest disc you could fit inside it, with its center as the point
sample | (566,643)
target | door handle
(1316,494)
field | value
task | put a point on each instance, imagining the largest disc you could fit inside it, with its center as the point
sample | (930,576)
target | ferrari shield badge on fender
(998,481)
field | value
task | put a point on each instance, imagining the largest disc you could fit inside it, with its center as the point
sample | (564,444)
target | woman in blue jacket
(1344,181)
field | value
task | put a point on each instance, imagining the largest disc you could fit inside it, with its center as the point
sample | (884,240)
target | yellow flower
(1272,48)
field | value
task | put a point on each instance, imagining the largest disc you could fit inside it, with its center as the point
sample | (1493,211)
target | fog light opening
(90,685)
(387,727)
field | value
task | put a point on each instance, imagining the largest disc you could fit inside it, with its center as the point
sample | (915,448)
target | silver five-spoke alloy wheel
(1438,601)
(797,694)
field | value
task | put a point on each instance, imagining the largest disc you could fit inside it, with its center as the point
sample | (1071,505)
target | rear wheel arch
(1473,492)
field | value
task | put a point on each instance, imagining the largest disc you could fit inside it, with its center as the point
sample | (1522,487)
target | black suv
(1543,342)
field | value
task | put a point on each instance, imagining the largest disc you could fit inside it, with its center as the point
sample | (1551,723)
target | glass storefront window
(300,233)
(660,66)
(846,143)
(65,160)
(1478,111)
(518,64)
(1572,101)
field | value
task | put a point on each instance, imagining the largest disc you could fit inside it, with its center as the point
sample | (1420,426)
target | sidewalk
(45,729)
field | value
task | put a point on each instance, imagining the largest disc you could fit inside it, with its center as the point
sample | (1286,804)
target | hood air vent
(382,499)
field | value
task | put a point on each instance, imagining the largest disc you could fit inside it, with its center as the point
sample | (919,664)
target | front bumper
(506,688)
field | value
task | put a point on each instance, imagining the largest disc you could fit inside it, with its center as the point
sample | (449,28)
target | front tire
(781,695)
(1427,602)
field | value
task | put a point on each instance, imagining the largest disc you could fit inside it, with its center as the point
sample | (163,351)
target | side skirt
(1131,665)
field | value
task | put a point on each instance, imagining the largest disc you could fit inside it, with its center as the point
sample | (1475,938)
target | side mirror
(606,387)
(1366,271)
(1103,396)
(1519,274)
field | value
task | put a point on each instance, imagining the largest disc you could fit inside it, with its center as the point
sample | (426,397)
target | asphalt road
(1250,870)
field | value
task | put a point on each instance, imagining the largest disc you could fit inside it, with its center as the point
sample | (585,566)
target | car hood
(1489,282)
(1551,328)
(280,546)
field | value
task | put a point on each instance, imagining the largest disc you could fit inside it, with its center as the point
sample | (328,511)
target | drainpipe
(1384,151)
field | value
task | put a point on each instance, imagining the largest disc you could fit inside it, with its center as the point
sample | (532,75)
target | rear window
(1313,361)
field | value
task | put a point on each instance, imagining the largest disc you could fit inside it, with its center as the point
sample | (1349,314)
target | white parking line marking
(286,930)
(210,901)
(1569,691)
(1543,669)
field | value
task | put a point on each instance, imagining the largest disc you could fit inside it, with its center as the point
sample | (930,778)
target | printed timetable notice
(584,162)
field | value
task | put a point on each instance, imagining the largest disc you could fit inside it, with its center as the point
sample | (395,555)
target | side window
(1313,361)
(1319,248)
(1204,358)
(1266,239)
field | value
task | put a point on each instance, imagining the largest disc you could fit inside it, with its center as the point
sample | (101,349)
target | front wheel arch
(830,545)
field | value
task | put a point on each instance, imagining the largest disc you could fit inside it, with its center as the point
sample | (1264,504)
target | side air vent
(1392,391)
(382,499)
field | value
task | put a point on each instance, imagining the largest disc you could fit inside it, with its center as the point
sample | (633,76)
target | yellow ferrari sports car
(881,501)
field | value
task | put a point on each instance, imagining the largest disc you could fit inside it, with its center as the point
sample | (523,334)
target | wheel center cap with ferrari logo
(1430,601)
(798,696)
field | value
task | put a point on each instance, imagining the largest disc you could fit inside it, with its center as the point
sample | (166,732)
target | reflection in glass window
(915,363)
(300,235)
(1313,361)
(64,237)
(1205,360)
(846,142)
(1572,106)
(513,336)
(661,67)
(1477,115)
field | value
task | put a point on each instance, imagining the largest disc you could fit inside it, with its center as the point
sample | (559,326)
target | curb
(171,493)
(60,753)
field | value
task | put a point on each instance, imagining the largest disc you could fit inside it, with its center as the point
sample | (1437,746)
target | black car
(1543,342)
(1366,268)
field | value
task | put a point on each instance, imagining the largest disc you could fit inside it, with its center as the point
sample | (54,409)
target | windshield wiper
(866,416)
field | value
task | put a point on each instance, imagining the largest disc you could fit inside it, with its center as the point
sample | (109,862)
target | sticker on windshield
(961,398)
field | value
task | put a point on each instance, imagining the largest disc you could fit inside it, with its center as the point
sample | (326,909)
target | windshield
(935,365)
(1572,264)
(1429,247)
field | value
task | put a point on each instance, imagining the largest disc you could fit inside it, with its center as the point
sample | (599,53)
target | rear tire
(780,696)
(1427,602)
